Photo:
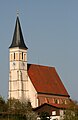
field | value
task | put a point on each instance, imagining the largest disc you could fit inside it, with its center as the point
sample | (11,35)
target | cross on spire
(17,13)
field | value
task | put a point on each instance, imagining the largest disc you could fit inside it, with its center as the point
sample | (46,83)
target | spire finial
(17,13)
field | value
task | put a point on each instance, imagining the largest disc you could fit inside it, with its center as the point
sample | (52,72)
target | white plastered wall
(32,94)
(16,71)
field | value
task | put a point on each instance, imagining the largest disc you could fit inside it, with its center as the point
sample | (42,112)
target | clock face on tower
(14,64)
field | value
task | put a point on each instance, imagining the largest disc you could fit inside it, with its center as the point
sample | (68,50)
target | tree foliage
(71,113)
(3,105)
(14,109)
(45,116)
(22,109)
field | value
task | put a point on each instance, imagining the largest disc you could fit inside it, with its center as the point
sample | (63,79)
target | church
(40,84)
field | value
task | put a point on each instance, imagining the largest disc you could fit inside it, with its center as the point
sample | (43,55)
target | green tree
(3,105)
(45,116)
(71,113)
(21,110)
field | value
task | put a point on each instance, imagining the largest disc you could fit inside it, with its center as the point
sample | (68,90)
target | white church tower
(18,65)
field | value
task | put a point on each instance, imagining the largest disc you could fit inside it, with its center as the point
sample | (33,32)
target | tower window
(14,56)
(22,55)
(57,101)
(11,57)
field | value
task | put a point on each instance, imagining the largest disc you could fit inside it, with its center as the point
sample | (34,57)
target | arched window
(57,101)
(22,55)
(14,56)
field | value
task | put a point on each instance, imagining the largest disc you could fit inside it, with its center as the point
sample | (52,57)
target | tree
(45,116)
(71,113)
(21,110)
(3,106)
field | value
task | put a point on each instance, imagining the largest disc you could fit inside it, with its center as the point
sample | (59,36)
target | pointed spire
(18,40)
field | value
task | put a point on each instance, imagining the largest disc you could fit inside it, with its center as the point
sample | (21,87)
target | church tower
(18,64)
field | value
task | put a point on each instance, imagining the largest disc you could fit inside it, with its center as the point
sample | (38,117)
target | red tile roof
(52,105)
(60,105)
(46,80)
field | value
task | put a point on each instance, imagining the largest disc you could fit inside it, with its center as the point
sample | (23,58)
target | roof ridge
(40,65)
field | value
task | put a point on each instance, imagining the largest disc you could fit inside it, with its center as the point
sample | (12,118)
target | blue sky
(50,29)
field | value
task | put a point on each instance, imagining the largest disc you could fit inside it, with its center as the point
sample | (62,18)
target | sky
(50,30)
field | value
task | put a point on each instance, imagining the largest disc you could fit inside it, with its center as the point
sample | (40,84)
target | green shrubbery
(13,109)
